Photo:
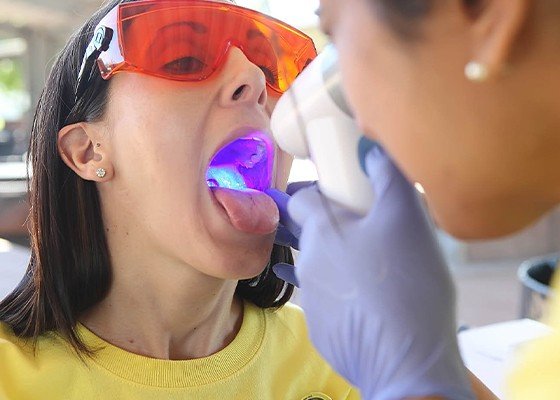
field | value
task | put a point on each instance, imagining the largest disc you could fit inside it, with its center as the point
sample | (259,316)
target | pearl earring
(101,172)
(476,72)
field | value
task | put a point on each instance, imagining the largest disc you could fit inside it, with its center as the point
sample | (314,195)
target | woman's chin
(241,263)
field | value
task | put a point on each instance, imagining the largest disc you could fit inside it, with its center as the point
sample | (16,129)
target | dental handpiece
(312,120)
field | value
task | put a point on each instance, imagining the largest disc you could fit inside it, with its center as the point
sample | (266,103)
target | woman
(463,96)
(143,281)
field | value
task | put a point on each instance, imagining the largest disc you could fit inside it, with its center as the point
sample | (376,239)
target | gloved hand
(288,231)
(377,294)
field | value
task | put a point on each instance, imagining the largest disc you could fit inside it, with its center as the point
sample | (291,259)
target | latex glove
(288,231)
(377,293)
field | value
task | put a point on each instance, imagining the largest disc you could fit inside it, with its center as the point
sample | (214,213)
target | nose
(245,83)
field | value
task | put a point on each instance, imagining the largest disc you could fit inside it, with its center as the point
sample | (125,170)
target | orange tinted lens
(171,42)
(187,40)
(281,49)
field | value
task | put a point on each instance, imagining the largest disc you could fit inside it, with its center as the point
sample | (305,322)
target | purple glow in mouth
(245,163)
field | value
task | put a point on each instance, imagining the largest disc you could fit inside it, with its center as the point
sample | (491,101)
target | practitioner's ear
(496,28)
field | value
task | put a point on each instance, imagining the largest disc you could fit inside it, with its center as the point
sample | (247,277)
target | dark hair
(403,15)
(69,270)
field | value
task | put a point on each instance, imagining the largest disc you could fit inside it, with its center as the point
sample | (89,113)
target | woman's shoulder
(9,341)
(288,344)
(15,349)
(286,329)
(33,370)
(287,321)
(15,358)
(290,314)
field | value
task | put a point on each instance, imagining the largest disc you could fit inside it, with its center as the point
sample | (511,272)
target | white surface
(488,351)
(299,13)
(303,170)
(13,170)
(13,263)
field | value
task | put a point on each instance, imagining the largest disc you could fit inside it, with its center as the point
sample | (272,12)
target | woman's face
(486,153)
(162,136)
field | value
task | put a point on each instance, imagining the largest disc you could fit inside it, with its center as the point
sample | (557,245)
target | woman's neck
(165,311)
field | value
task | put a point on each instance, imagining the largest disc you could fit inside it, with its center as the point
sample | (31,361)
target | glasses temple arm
(99,43)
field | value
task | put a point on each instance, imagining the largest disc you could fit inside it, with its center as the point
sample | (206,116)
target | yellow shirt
(270,358)
(537,375)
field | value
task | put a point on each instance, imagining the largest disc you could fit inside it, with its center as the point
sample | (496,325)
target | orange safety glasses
(188,40)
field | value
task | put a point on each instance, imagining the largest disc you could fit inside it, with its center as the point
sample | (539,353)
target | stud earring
(101,172)
(476,72)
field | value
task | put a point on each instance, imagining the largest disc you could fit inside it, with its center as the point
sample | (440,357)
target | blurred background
(31,34)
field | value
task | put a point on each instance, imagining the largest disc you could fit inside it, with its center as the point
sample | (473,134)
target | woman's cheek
(271,102)
(283,161)
(283,167)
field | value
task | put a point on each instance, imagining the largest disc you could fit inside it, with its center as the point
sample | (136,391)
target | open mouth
(238,175)
(245,163)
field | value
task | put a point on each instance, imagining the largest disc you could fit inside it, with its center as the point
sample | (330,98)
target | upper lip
(258,122)
(236,134)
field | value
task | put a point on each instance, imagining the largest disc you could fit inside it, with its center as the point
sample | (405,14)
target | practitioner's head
(486,152)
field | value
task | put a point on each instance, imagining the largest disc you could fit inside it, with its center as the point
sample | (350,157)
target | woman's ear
(83,153)
(496,28)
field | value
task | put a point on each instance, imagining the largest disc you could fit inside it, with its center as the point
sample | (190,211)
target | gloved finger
(286,272)
(284,237)
(295,186)
(305,203)
(382,171)
(281,199)
(398,204)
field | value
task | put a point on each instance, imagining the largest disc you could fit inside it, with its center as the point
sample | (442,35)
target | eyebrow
(195,26)
(254,33)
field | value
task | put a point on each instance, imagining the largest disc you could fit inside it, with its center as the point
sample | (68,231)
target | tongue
(249,211)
